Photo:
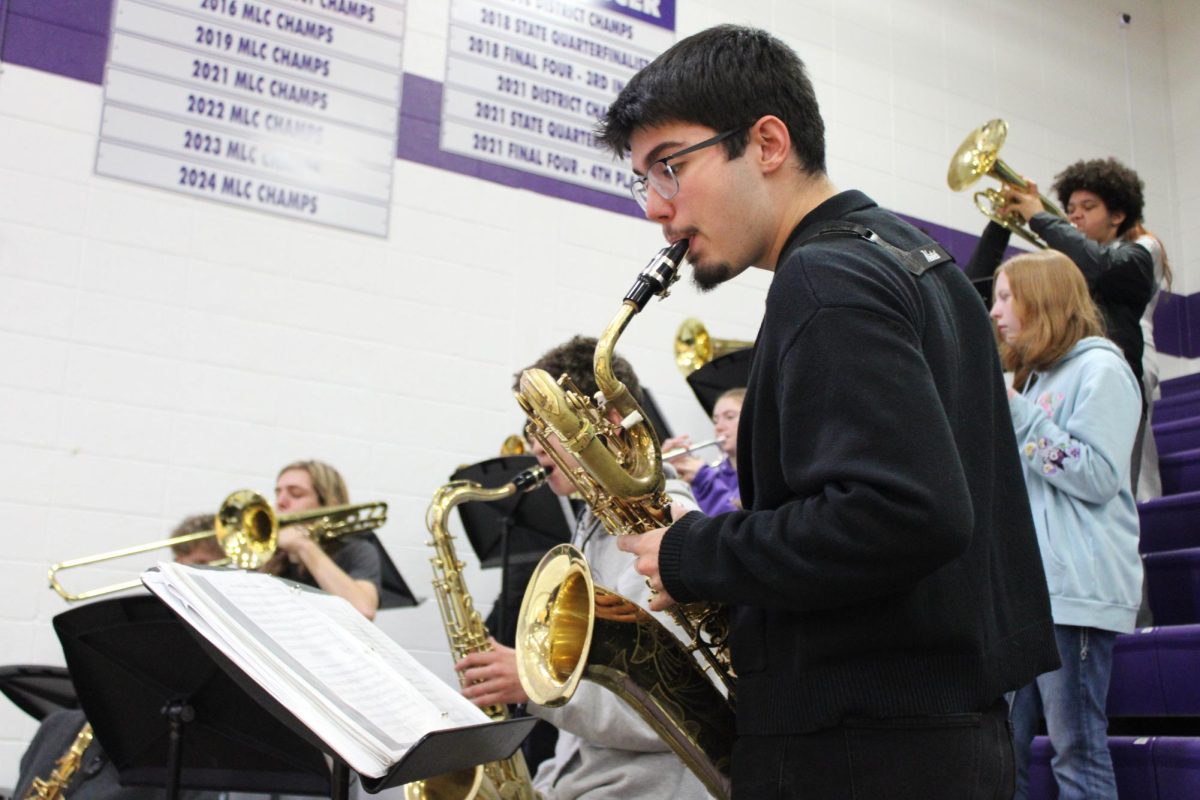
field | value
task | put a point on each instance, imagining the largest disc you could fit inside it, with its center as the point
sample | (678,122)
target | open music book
(355,688)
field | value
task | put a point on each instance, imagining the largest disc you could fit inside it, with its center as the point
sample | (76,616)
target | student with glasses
(884,579)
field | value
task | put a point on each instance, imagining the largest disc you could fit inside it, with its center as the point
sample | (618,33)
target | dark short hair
(574,357)
(1116,184)
(194,524)
(724,78)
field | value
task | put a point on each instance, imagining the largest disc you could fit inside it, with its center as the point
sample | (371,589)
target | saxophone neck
(457,492)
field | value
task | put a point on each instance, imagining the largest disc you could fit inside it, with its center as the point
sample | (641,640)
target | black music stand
(168,715)
(396,593)
(729,371)
(38,690)
(528,524)
(513,533)
(152,682)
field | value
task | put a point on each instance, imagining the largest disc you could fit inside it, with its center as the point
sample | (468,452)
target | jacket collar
(837,207)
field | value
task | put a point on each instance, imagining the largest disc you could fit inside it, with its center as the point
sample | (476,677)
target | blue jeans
(1073,699)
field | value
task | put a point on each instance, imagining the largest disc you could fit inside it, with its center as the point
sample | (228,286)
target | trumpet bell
(977,155)
(246,529)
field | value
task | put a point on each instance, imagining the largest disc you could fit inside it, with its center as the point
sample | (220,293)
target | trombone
(979,155)
(246,529)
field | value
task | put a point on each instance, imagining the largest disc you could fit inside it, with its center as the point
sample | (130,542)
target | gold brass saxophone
(564,630)
(54,786)
(503,780)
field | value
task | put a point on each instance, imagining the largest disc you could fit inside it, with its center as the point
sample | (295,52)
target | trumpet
(246,528)
(683,451)
(979,155)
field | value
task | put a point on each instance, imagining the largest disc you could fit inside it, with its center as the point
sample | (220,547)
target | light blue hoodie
(1075,429)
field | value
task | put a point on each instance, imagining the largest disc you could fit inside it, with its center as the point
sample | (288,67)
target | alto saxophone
(53,787)
(620,476)
(508,779)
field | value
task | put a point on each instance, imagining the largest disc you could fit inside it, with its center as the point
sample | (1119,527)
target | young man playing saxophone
(604,750)
(884,579)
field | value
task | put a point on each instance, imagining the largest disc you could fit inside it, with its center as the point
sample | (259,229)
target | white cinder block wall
(157,352)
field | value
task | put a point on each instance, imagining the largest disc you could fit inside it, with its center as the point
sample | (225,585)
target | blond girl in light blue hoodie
(1075,407)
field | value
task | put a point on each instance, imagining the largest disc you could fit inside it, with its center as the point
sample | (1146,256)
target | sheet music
(368,698)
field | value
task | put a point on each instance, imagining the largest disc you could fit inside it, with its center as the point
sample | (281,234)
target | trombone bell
(694,347)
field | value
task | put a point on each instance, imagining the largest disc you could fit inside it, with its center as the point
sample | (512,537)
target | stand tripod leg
(339,781)
(177,713)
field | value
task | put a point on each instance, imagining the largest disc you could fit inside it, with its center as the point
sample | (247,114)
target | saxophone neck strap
(916,261)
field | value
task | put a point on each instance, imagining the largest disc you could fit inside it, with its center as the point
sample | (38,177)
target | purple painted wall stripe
(54,36)
(70,38)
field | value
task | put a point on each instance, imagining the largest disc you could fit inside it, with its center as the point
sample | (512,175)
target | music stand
(38,690)
(529,523)
(729,371)
(395,593)
(511,533)
(167,715)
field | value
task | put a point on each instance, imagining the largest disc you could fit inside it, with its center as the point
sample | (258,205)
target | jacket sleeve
(989,252)
(602,719)
(1128,269)
(876,493)
(1087,456)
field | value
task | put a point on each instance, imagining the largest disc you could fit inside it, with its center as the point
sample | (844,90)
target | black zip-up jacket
(886,563)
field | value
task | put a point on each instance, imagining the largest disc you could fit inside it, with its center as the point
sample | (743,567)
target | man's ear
(773,141)
(1117,217)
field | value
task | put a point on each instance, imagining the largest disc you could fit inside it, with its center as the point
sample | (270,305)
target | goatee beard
(710,276)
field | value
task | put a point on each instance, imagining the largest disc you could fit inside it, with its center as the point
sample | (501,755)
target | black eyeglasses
(662,179)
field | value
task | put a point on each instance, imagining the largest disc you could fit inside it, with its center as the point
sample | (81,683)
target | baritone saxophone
(568,628)
(508,779)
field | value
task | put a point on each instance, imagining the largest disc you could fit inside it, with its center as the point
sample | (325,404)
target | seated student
(95,778)
(604,749)
(1075,407)
(715,488)
(348,566)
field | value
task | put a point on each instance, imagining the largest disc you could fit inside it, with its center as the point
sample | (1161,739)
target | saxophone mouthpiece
(657,276)
(530,479)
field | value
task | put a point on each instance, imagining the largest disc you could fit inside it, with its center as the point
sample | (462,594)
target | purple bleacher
(1041,777)
(1133,767)
(1181,385)
(1177,435)
(1177,406)
(1179,668)
(1180,471)
(1173,578)
(1170,523)
(1135,689)
(1177,767)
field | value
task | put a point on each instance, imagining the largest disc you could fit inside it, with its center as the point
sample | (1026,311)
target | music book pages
(354,687)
